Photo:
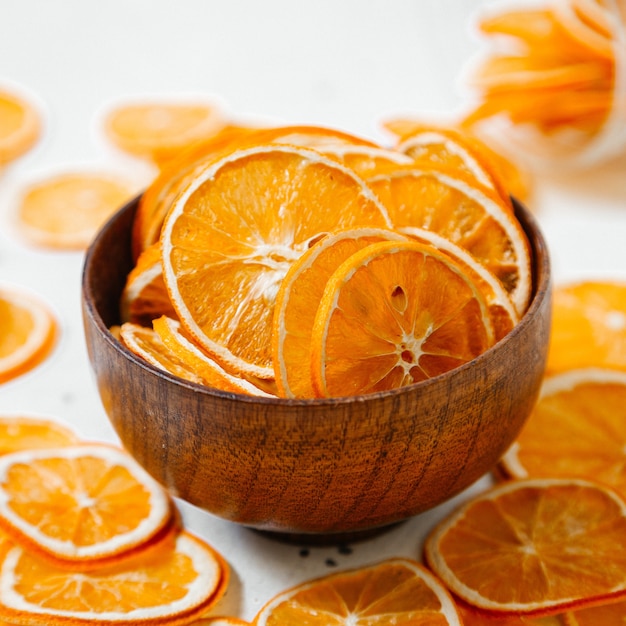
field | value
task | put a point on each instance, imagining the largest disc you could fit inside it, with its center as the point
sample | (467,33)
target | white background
(345,63)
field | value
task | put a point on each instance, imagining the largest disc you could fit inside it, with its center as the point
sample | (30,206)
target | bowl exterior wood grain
(319,466)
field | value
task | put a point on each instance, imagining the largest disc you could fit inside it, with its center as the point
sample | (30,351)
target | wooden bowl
(313,467)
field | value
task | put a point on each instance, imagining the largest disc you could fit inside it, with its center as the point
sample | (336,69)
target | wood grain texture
(318,466)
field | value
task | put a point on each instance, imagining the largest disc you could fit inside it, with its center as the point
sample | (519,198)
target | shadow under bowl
(313,468)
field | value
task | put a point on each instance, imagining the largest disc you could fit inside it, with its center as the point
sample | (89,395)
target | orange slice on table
(577,429)
(231,236)
(144,297)
(297,300)
(20,126)
(28,331)
(174,585)
(211,373)
(396,591)
(20,432)
(588,326)
(148,345)
(533,546)
(451,205)
(393,314)
(65,211)
(159,195)
(158,130)
(83,504)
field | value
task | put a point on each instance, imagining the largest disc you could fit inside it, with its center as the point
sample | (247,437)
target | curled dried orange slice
(65,211)
(28,330)
(144,296)
(396,591)
(147,344)
(21,432)
(533,546)
(233,233)
(81,504)
(174,584)
(392,314)
(20,126)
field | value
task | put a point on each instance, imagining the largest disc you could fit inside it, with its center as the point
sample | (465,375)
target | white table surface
(348,64)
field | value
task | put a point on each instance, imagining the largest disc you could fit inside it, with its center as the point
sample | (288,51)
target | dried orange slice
(28,331)
(20,432)
(577,428)
(146,343)
(297,300)
(452,205)
(221,621)
(159,129)
(144,296)
(513,179)
(588,326)
(533,546)
(65,211)
(172,585)
(444,146)
(155,202)
(211,373)
(20,126)
(393,314)
(82,504)
(231,236)
(396,591)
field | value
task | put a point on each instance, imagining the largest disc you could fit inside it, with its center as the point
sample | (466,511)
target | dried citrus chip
(533,546)
(511,177)
(588,326)
(158,130)
(81,504)
(144,296)
(146,343)
(396,591)
(297,300)
(577,428)
(393,314)
(452,205)
(211,373)
(20,126)
(173,585)
(603,615)
(231,236)
(66,210)
(28,330)
(432,145)
(155,202)
(20,432)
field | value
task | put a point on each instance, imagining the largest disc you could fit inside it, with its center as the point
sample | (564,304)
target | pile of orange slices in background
(303,261)
(551,81)
(88,537)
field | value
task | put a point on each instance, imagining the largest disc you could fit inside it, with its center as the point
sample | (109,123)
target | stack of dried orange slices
(306,262)
(88,537)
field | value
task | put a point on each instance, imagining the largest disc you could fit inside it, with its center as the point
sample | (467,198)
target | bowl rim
(541,283)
